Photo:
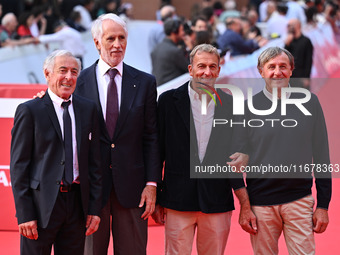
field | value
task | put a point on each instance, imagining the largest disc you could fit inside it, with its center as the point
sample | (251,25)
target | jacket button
(62,162)
(112,145)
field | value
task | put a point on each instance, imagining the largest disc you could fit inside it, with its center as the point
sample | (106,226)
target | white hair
(50,59)
(97,25)
(8,18)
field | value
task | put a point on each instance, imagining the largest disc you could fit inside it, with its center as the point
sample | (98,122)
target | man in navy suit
(130,155)
(51,208)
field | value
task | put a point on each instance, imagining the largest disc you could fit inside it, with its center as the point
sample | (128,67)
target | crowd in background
(233,31)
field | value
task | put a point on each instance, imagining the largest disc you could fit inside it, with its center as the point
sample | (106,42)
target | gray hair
(50,59)
(97,25)
(273,52)
(204,48)
(8,18)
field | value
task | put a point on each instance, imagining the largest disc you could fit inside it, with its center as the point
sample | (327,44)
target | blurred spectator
(320,7)
(85,10)
(311,18)
(263,11)
(126,11)
(202,37)
(196,8)
(271,9)
(108,6)
(209,14)
(25,21)
(302,49)
(157,34)
(52,15)
(74,21)
(69,39)
(0,10)
(332,15)
(8,35)
(14,6)
(232,39)
(277,23)
(253,18)
(158,12)
(206,3)
(230,11)
(295,11)
(218,8)
(168,60)
(66,7)
(199,23)
(39,23)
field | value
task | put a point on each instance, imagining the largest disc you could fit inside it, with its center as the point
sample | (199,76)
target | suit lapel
(183,106)
(182,103)
(77,112)
(91,92)
(52,114)
(130,87)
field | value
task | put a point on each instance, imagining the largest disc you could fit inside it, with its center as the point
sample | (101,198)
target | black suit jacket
(37,158)
(179,150)
(131,158)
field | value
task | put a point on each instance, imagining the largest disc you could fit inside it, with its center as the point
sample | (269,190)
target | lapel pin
(134,86)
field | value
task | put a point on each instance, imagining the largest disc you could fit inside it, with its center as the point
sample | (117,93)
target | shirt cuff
(152,184)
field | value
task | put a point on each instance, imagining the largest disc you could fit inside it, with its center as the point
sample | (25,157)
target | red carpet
(238,243)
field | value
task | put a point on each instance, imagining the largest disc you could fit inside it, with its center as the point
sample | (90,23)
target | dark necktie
(68,173)
(112,110)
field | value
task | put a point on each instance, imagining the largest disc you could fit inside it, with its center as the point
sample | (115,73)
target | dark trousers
(65,230)
(129,230)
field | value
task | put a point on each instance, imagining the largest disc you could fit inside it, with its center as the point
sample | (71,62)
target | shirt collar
(57,100)
(103,67)
(192,93)
(270,95)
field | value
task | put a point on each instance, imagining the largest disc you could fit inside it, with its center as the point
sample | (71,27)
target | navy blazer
(37,158)
(131,158)
(179,151)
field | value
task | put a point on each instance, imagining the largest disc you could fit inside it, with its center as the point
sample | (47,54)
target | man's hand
(29,229)
(238,159)
(92,224)
(320,220)
(158,215)
(247,220)
(149,198)
(40,94)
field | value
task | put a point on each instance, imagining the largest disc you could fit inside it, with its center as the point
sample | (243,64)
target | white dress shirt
(203,123)
(103,79)
(57,101)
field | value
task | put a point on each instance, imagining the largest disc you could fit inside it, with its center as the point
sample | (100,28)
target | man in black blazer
(50,208)
(130,158)
(198,203)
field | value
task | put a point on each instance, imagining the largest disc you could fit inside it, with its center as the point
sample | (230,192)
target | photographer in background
(302,49)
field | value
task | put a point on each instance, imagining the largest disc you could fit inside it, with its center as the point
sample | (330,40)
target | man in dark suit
(55,164)
(130,154)
(188,140)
